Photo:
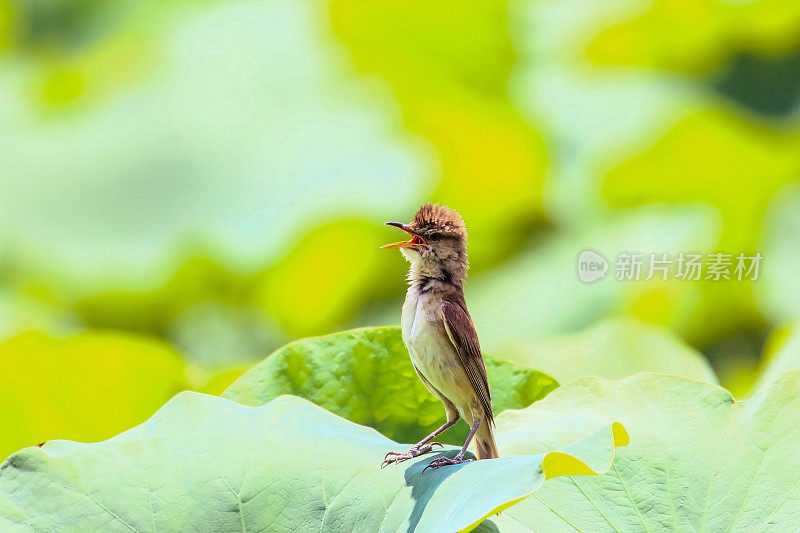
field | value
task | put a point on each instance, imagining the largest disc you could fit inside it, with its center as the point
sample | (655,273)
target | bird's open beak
(415,241)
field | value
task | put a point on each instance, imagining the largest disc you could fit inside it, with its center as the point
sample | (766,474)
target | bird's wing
(461,331)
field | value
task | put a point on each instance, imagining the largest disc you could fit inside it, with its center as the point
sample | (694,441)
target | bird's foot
(415,451)
(445,461)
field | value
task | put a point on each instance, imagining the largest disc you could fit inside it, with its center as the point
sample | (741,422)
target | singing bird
(438,331)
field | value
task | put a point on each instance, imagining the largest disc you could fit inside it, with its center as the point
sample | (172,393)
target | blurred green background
(186,186)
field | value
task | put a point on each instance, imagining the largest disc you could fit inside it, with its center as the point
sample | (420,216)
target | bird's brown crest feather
(442,216)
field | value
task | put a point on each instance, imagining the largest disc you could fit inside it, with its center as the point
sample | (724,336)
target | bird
(439,334)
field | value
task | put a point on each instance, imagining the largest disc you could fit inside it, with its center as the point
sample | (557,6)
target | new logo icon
(591,266)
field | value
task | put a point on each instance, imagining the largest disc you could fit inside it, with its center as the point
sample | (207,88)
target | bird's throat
(425,279)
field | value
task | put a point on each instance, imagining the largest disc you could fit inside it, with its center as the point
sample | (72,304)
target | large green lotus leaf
(204,463)
(698,460)
(615,349)
(86,387)
(366,376)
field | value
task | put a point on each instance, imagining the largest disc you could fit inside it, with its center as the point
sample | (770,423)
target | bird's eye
(434,236)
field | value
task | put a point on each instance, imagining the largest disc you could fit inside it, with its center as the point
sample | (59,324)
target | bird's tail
(484,442)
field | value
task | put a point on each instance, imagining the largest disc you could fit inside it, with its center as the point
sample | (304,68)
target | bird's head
(438,244)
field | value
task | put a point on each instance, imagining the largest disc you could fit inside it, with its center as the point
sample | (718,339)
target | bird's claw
(446,461)
(415,451)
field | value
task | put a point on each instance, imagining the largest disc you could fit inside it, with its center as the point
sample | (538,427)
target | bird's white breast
(430,348)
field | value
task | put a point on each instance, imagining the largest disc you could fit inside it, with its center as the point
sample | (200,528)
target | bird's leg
(459,458)
(422,447)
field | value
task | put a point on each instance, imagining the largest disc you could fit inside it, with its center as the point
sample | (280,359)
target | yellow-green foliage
(86,387)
